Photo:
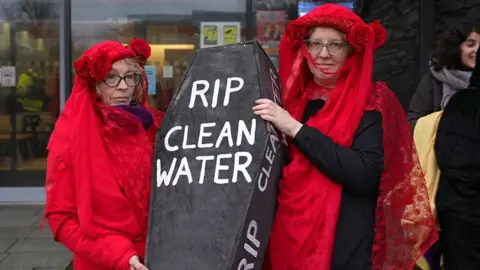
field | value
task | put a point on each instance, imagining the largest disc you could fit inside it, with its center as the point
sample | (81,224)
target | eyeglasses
(113,80)
(315,46)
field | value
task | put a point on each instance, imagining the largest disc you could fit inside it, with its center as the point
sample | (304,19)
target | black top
(358,169)
(426,99)
(457,149)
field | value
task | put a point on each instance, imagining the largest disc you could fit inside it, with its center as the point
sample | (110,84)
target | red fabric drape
(309,202)
(87,128)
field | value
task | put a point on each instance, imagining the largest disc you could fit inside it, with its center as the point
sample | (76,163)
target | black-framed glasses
(113,80)
(334,47)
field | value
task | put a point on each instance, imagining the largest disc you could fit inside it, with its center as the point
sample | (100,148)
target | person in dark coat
(451,66)
(457,150)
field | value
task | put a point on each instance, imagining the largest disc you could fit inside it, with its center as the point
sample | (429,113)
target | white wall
(22,195)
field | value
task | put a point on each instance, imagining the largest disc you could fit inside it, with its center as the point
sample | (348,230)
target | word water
(181,167)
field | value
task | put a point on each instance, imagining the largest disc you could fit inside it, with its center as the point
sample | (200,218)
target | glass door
(29,90)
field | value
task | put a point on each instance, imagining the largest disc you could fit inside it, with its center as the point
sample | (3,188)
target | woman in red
(352,196)
(100,160)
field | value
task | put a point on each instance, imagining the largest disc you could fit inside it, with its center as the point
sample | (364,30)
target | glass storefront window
(29,54)
(29,60)
(175,29)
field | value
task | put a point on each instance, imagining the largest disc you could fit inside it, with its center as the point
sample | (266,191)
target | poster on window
(219,33)
(270,27)
(231,34)
(8,76)
(209,35)
(151,72)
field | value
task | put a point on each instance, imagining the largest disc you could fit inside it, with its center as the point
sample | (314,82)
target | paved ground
(23,246)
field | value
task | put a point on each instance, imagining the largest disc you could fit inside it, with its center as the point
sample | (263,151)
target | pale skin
(469,49)
(122,93)
(135,264)
(280,118)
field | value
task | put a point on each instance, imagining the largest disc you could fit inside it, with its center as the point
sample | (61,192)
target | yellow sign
(230,33)
(210,35)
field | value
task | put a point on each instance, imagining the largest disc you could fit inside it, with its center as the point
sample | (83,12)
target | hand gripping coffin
(217,166)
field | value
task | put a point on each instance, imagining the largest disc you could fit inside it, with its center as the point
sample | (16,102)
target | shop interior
(36,94)
(30,99)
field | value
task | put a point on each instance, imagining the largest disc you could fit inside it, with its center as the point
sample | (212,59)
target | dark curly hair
(446,53)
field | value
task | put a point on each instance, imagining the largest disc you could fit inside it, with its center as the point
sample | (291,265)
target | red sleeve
(107,251)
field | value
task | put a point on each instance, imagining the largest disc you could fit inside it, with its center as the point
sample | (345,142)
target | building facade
(41,39)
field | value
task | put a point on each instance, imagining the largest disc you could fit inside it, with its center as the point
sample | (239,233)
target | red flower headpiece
(380,34)
(141,48)
(361,33)
(358,32)
(95,65)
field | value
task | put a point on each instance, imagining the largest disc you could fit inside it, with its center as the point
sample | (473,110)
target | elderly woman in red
(100,156)
(352,196)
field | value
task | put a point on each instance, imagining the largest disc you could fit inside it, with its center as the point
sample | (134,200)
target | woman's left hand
(135,264)
(279,117)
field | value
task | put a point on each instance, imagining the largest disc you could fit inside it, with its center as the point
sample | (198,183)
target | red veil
(309,202)
(88,130)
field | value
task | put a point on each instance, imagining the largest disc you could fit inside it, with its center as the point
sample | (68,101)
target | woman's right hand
(135,264)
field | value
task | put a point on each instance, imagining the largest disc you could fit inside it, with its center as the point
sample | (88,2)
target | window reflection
(28,109)
(173,28)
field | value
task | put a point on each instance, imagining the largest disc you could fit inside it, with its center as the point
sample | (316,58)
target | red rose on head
(296,35)
(82,67)
(380,34)
(141,48)
(300,33)
(100,65)
(359,35)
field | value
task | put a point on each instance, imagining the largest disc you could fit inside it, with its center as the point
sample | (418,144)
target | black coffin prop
(216,165)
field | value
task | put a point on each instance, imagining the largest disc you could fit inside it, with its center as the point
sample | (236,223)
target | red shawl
(309,202)
(88,127)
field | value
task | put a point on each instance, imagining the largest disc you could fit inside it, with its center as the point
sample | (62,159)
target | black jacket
(426,100)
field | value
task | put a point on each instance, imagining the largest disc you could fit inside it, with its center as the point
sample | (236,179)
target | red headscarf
(309,202)
(87,127)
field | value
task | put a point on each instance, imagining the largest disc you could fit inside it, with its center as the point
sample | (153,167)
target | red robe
(309,201)
(119,234)
(99,169)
